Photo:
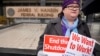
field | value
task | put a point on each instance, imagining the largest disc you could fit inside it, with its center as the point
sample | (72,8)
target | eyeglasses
(73,7)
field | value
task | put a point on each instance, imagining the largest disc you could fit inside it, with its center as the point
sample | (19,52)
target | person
(68,21)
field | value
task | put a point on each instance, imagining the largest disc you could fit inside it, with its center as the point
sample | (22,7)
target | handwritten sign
(80,45)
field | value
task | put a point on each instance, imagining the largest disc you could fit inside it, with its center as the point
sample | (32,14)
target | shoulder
(55,20)
(83,28)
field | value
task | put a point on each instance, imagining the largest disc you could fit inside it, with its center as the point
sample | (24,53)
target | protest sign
(79,45)
(55,45)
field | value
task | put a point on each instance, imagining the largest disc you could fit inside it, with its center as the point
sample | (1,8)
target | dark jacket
(54,28)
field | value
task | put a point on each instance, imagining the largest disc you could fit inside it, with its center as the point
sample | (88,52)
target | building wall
(32,3)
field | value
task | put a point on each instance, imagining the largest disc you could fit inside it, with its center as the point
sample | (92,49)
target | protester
(68,21)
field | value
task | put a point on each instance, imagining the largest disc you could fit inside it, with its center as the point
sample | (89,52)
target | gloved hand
(40,53)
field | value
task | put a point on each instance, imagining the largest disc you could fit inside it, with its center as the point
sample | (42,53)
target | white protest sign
(79,45)
(55,45)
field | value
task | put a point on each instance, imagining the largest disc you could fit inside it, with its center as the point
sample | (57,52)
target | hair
(61,14)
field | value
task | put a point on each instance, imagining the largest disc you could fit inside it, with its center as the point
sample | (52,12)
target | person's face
(72,10)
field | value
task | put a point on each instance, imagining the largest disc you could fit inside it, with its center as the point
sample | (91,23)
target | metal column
(42,3)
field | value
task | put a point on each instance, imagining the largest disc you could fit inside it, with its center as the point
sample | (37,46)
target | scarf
(70,28)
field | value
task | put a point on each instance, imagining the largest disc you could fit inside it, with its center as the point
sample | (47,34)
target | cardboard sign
(79,45)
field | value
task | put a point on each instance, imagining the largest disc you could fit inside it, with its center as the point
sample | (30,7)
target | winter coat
(54,28)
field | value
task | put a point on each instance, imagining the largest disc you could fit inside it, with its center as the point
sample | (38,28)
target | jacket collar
(58,26)
(80,22)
